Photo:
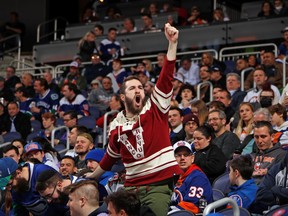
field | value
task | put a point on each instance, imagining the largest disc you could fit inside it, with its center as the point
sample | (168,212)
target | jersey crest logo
(137,153)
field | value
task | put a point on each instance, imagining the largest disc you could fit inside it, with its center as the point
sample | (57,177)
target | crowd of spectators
(243,134)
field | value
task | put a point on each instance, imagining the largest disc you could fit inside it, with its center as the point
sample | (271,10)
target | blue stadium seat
(222,183)
(10,136)
(88,122)
(36,125)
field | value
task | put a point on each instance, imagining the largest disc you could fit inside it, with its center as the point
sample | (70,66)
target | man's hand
(171,33)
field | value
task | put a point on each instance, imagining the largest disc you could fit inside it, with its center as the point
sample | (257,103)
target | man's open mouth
(138,99)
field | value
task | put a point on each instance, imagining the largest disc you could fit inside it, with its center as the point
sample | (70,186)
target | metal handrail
(284,71)
(243,76)
(55,27)
(18,38)
(4,144)
(221,55)
(36,68)
(67,140)
(221,202)
(210,88)
(105,125)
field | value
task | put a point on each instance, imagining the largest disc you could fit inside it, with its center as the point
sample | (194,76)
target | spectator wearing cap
(189,70)
(190,122)
(95,84)
(75,77)
(175,119)
(35,150)
(283,47)
(192,179)
(177,82)
(92,160)
(217,77)
(101,97)
(225,140)
(118,74)
(16,121)
(25,197)
(84,144)
(5,91)
(8,167)
(97,69)
(187,94)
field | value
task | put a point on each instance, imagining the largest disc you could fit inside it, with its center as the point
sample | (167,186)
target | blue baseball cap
(95,155)
(7,167)
(32,146)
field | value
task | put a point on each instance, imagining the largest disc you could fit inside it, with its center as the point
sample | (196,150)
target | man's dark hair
(72,114)
(178,109)
(267,124)
(217,105)
(279,109)
(125,200)
(72,87)
(244,164)
(23,90)
(46,179)
(112,29)
(10,147)
(81,129)
(228,95)
(123,86)
(43,82)
(69,157)
(100,27)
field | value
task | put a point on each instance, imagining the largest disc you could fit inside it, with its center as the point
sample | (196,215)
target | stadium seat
(32,135)
(10,136)
(88,122)
(229,212)
(36,125)
(281,210)
(94,112)
(217,194)
(222,183)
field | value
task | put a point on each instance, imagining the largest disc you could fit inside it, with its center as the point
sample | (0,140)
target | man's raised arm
(171,34)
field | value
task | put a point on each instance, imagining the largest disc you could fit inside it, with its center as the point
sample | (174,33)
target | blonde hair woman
(87,46)
(245,124)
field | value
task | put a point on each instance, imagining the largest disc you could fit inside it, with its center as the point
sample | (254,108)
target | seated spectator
(273,189)
(98,30)
(219,16)
(101,97)
(225,97)
(74,77)
(51,82)
(84,144)
(110,47)
(243,189)
(192,185)
(16,121)
(175,118)
(209,60)
(84,199)
(279,116)
(199,109)
(253,61)
(96,69)
(35,150)
(128,26)
(267,9)
(217,77)
(268,153)
(114,104)
(187,93)
(141,72)
(152,9)
(19,143)
(123,202)
(195,17)
(147,23)
(177,83)
(245,123)
(45,99)
(190,122)
(189,71)
(118,74)
(5,92)
(67,166)
(12,152)
(205,87)
(208,156)
(280,8)
(73,100)
(24,100)
(87,46)
(27,81)
(267,96)
(225,140)
(88,15)
(149,88)
(92,160)
(11,78)
(283,47)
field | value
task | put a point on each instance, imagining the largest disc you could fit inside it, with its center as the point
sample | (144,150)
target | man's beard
(63,198)
(21,186)
(131,108)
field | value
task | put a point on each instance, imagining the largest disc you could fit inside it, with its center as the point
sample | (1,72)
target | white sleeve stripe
(112,153)
(162,104)
(163,94)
